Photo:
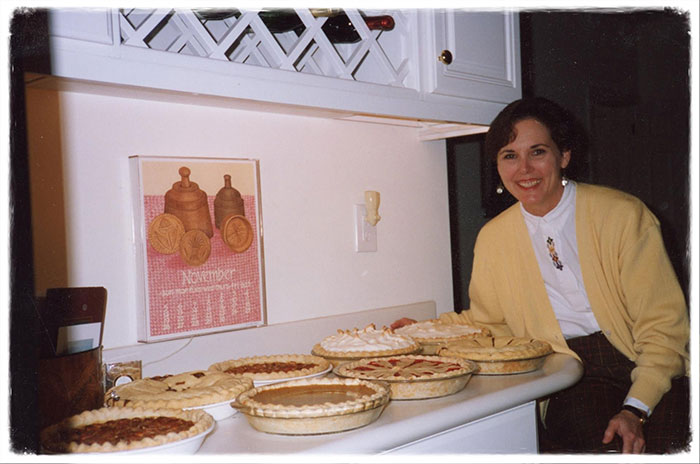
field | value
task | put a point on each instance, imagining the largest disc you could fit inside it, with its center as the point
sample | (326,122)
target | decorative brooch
(553,254)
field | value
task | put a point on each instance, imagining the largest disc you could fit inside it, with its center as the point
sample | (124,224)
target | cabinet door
(480,55)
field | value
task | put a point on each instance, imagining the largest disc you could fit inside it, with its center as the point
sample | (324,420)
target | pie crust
(500,355)
(121,429)
(432,333)
(355,344)
(413,376)
(186,390)
(273,367)
(313,406)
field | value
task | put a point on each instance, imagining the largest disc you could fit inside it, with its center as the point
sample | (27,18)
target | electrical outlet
(118,373)
(365,233)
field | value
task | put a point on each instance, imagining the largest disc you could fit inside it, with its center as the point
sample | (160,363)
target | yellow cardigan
(631,285)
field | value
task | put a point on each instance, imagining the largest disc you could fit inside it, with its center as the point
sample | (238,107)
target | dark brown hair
(563,127)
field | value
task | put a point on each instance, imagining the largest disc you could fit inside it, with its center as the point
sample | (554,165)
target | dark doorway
(625,75)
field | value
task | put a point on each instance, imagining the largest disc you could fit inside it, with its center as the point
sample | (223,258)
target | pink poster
(200,248)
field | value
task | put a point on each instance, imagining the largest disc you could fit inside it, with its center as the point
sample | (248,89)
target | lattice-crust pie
(273,367)
(185,390)
(413,376)
(313,406)
(349,345)
(500,355)
(120,429)
(433,332)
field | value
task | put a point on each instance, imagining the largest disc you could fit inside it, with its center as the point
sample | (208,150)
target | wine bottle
(338,28)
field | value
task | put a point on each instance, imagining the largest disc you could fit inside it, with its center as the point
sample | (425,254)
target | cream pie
(185,390)
(121,429)
(413,376)
(432,333)
(349,345)
(313,406)
(273,367)
(500,355)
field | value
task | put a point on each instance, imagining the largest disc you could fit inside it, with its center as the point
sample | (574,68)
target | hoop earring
(499,188)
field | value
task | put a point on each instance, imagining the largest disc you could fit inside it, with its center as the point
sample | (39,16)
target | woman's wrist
(641,415)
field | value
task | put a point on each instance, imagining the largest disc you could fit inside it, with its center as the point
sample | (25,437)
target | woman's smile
(530,167)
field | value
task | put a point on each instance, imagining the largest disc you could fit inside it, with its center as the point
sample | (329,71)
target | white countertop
(404,422)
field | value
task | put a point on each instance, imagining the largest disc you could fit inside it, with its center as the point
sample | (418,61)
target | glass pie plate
(313,406)
(413,377)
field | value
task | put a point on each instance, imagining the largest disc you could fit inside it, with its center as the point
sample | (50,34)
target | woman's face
(530,167)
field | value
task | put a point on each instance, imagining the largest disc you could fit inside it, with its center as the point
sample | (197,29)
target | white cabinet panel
(511,431)
(82,24)
(482,51)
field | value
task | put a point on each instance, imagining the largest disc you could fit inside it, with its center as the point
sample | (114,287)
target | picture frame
(198,245)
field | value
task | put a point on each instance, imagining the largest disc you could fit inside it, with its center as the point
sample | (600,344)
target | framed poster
(198,241)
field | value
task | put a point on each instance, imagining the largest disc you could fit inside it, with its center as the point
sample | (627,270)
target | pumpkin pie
(313,406)
(120,429)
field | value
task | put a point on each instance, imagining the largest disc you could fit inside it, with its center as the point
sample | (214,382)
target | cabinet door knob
(445,57)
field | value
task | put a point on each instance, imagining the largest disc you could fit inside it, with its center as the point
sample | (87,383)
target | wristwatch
(637,412)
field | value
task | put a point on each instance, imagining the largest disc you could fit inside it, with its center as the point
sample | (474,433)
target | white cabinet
(513,431)
(389,74)
(472,56)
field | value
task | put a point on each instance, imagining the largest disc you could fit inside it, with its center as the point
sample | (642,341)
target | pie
(500,355)
(432,333)
(121,429)
(186,390)
(413,376)
(313,406)
(350,345)
(273,367)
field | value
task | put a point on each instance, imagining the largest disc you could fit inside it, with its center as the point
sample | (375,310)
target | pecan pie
(500,355)
(121,429)
(185,390)
(413,376)
(313,406)
(432,333)
(350,345)
(273,367)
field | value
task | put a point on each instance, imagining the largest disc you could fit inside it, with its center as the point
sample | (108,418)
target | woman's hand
(629,428)
(402,322)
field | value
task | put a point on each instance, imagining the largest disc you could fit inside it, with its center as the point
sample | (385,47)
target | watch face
(237,233)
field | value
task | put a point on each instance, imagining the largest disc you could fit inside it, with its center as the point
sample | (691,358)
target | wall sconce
(372,205)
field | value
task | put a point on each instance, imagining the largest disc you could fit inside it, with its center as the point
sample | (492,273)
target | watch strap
(637,412)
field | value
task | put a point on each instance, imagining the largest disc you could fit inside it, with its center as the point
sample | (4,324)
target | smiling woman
(584,268)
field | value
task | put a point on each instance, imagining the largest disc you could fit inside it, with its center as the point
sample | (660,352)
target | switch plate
(118,373)
(365,233)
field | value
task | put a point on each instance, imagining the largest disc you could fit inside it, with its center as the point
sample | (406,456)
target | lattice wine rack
(380,57)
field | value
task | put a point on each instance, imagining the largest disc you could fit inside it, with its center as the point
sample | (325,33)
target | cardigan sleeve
(484,309)
(656,308)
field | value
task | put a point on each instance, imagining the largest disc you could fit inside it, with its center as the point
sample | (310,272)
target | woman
(584,268)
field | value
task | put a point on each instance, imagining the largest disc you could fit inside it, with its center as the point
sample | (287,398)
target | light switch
(365,234)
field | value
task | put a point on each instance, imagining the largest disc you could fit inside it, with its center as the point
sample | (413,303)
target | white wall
(312,171)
